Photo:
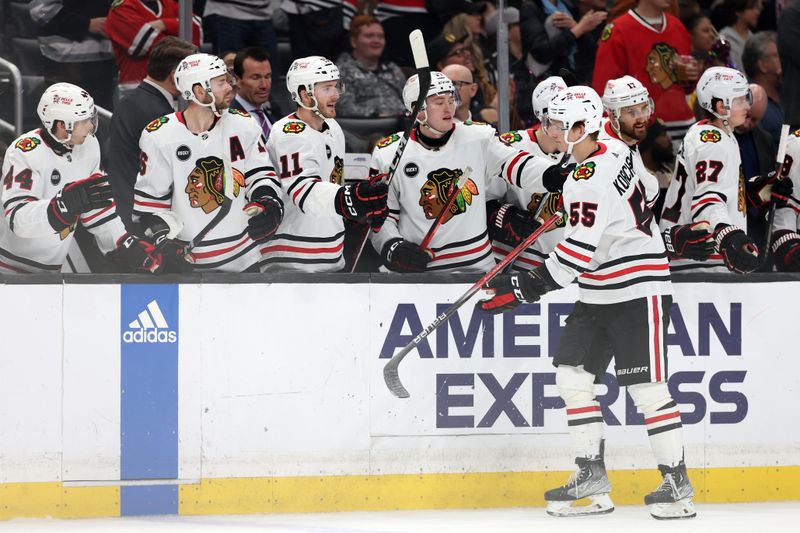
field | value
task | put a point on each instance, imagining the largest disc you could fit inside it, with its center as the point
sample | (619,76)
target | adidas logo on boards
(150,327)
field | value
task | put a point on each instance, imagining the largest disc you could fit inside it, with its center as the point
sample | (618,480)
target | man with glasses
(466,87)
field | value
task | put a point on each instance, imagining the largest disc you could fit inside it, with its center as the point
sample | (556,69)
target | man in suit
(254,83)
(155,96)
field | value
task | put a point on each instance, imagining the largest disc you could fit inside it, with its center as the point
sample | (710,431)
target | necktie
(262,118)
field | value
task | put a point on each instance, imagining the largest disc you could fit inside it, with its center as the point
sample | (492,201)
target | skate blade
(673,511)
(600,504)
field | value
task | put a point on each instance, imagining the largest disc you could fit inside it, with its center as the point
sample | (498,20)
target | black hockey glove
(364,202)
(174,258)
(510,290)
(737,249)
(77,198)
(405,256)
(509,224)
(763,189)
(134,254)
(689,241)
(555,176)
(155,229)
(266,214)
(786,251)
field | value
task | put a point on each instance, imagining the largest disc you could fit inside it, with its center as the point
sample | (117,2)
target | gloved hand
(364,202)
(555,176)
(266,213)
(781,191)
(175,262)
(689,241)
(134,254)
(509,224)
(510,290)
(737,249)
(405,256)
(77,198)
(763,189)
(786,251)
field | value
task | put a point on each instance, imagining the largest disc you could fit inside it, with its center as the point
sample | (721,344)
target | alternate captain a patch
(387,141)
(510,137)
(710,136)
(157,123)
(293,127)
(584,171)
(27,144)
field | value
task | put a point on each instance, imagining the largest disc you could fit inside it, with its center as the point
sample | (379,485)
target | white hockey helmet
(544,92)
(307,72)
(575,104)
(440,84)
(198,68)
(68,103)
(625,92)
(723,83)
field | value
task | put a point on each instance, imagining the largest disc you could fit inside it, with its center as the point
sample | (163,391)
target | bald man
(757,109)
(466,87)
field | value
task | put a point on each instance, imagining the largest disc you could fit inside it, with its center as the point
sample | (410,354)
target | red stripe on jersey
(512,165)
(152,204)
(576,255)
(624,271)
(214,253)
(92,217)
(461,253)
(298,249)
(519,259)
(13,268)
(706,201)
(659,418)
(581,410)
(298,191)
(657,335)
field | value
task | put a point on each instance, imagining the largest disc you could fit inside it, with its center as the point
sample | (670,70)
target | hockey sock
(584,418)
(662,418)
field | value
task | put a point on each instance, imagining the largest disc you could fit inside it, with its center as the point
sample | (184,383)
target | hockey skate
(673,498)
(589,481)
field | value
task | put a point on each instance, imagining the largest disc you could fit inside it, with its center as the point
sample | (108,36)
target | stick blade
(417,41)
(392,379)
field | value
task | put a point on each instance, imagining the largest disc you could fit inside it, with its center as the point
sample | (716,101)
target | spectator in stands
(155,96)
(315,28)
(400,17)
(253,73)
(762,65)
(134,26)
(458,28)
(737,18)
(704,38)
(466,87)
(75,46)
(374,88)
(660,60)
(788,44)
(237,24)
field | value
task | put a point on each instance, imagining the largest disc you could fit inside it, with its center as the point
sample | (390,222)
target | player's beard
(632,132)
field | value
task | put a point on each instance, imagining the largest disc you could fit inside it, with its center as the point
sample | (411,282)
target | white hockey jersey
(611,241)
(310,164)
(788,218)
(185,173)
(531,201)
(418,192)
(33,173)
(607,134)
(707,184)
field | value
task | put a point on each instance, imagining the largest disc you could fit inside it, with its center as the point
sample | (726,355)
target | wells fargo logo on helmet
(510,137)
(386,141)
(710,136)
(234,111)
(205,184)
(584,171)
(27,144)
(435,193)
(606,35)
(293,127)
(157,123)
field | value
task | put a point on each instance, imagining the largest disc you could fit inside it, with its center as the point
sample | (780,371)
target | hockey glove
(509,224)
(737,249)
(404,256)
(555,176)
(364,202)
(786,251)
(266,214)
(156,229)
(174,258)
(134,254)
(510,290)
(77,198)
(763,189)
(690,241)
(782,190)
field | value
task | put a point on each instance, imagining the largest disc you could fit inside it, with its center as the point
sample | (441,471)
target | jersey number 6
(582,212)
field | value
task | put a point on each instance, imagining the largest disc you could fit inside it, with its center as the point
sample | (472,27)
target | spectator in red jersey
(661,60)
(134,26)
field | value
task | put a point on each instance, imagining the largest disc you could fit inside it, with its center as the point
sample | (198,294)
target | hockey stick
(450,201)
(390,370)
(417,42)
(778,168)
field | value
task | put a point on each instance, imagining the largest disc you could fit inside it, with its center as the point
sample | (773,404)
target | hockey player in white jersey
(307,148)
(209,166)
(785,242)
(629,107)
(612,246)
(708,183)
(441,153)
(511,220)
(52,181)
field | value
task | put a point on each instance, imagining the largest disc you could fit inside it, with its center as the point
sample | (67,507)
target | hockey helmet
(307,72)
(625,92)
(440,84)
(723,83)
(198,68)
(544,92)
(68,103)
(575,104)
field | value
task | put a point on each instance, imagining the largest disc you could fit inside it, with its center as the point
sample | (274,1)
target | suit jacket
(273,113)
(788,40)
(121,152)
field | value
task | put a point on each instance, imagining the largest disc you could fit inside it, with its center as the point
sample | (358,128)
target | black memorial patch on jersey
(55,177)
(26,144)
(183,152)
(294,127)
(157,123)
(411,169)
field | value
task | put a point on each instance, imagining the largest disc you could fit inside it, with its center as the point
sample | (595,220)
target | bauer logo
(150,326)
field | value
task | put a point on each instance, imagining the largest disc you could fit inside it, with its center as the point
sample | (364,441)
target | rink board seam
(388,492)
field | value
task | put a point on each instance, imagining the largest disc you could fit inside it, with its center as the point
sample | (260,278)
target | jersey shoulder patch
(606,35)
(117,3)
(234,111)
(387,141)
(26,144)
(294,127)
(511,137)
(471,122)
(710,136)
(155,124)
(796,133)
(584,171)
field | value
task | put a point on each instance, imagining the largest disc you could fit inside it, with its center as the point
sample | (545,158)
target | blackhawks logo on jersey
(386,141)
(796,133)
(550,202)
(205,184)
(710,136)
(337,174)
(510,137)
(234,111)
(157,123)
(27,144)
(606,35)
(471,122)
(584,171)
(435,193)
(293,127)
